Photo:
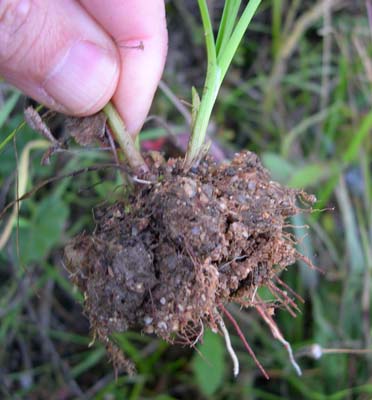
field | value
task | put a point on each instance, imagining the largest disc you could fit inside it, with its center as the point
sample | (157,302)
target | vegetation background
(299,94)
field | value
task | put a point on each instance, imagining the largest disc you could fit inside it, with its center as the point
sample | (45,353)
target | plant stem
(123,138)
(228,39)
(210,91)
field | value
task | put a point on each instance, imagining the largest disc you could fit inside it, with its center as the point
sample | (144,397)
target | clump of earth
(181,245)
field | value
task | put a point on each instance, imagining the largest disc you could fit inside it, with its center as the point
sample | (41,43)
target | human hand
(74,56)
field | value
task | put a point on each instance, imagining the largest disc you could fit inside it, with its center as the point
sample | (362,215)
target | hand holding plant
(74,56)
(192,236)
(188,236)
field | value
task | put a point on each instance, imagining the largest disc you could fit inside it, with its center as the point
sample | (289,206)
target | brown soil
(166,259)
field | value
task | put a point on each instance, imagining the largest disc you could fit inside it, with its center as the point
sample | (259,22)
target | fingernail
(85,75)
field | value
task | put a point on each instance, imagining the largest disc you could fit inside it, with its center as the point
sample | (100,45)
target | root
(289,289)
(244,340)
(200,335)
(229,348)
(284,299)
(278,335)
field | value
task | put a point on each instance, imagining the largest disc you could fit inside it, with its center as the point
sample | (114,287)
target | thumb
(139,28)
(57,54)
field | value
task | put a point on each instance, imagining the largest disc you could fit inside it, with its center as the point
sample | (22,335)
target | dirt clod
(165,259)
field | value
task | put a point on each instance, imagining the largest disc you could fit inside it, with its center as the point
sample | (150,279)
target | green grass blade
(4,114)
(229,15)
(349,155)
(277,7)
(353,244)
(208,31)
(8,107)
(92,358)
(346,393)
(16,130)
(225,57)
(364,129)
(11,135)
(305,125)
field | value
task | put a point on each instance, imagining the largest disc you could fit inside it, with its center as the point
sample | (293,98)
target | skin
(74,56)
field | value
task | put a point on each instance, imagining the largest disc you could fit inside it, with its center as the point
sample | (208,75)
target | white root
(201,333)
(143,181)
(290,353)
(254,294)
(229,347)
(278,335)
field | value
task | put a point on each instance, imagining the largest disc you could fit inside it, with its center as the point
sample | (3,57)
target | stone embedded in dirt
(163,260)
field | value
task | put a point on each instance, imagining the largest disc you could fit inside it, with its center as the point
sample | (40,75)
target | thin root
(244,340)
(201,333)
(278,335)
(229,347)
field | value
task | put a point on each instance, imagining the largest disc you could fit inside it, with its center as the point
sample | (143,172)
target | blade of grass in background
(7,108)
(276,27)
(23,175)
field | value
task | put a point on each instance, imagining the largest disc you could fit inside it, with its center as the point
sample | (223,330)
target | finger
(139,29)
(57,54)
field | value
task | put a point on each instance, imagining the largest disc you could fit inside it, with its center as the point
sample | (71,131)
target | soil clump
(164,260)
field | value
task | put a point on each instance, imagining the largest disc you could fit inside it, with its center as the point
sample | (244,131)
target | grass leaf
(280,169)
(356,142)
(229,14)
(308,175)
(47,224)
(209,372)
(8,107)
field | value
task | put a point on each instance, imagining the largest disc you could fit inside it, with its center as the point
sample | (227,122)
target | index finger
(139,29)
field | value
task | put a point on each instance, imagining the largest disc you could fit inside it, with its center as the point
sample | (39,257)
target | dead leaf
(86,130)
